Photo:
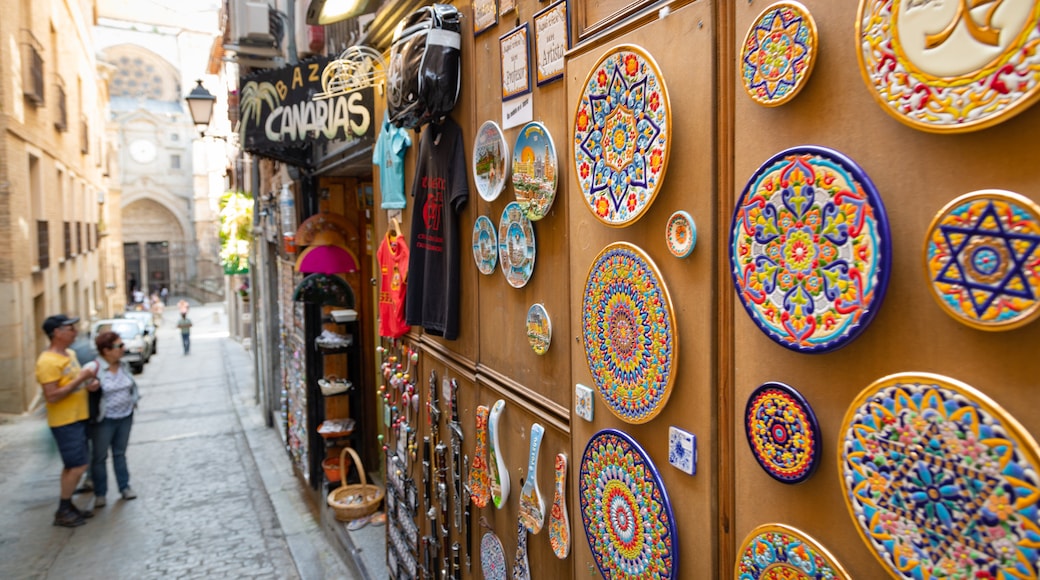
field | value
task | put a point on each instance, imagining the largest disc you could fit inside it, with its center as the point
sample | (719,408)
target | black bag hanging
(424,75)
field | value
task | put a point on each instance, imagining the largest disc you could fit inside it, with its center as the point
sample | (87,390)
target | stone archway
(155,237)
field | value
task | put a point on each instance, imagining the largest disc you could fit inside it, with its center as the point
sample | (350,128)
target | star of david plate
(492,557)
(625,510)
(779,53)
(490,161)
(680,234)
(534,170)
(628,329)
(516,245)
(940,481)
(810,249)
(485,245)
(622,135)
(982,257)
(782,432)
(948,67)
(775,551)
(539,328)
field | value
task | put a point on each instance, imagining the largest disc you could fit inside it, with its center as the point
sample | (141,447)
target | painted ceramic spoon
(532,506)
(492,557)
(499,473)
(479,480)
(559,523)
(521,568)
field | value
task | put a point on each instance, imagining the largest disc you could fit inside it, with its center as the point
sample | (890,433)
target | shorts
(72,444)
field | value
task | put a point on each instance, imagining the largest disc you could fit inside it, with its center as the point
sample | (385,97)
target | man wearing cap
(65,387)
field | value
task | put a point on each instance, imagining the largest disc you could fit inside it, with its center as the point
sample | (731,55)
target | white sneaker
(99,501)
(129,493)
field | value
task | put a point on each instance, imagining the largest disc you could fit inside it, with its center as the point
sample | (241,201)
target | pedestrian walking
(185,325)
(183,306)
(115,417)
(165,295)
(65,385)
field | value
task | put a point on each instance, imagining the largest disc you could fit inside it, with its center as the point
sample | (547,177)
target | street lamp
(320,12)
(200,105)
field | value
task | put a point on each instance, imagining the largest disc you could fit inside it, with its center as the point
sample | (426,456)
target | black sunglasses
(118,345)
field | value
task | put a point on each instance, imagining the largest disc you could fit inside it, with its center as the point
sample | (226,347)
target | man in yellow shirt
(65,387)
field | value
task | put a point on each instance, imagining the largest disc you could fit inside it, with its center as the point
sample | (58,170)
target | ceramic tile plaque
(778,53)
(982,258)
(485,245)
(622,135)
(682,450)
(810,249)
(777,551)
(516,249)
(953,66)
(782,432)
(940,481)
(535,172)
(583,401)
(490,161)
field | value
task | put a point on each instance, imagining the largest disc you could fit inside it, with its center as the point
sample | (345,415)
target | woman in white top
(115,417)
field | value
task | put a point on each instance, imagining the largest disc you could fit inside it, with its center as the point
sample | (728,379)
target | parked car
(132,332)
(148,321)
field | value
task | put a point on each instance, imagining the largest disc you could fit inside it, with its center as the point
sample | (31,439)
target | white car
(131,332)
(150,336)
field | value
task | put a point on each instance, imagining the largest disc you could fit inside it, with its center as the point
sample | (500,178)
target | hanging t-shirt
(440,191)
(388,154)
(393,276)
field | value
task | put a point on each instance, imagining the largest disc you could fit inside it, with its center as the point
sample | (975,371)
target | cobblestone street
(216,496)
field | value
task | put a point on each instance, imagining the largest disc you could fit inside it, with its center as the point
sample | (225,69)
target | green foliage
(236,231)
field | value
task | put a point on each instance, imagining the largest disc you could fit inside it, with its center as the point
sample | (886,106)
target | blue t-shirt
(388,154)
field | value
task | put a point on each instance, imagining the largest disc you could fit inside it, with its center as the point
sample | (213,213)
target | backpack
(424,75)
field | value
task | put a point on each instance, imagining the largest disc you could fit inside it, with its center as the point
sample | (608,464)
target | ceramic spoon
(532,506)
(492,557)
(559,523)
(479,480)
(499,474)
(521,568)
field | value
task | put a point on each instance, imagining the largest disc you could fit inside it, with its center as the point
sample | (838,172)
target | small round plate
(492,557)
(534,170)
(980,256)
(779,53)
(516,249)
(539,328)
(774,551)
(680,234)
(485,245)
(782,432)
(490,161)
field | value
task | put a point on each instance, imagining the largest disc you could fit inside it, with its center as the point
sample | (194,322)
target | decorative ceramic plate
(940,481)
(949,67)
(982,256)
(625,510)
(485,245)
(782,432)
(534,170)
(776,551)
(779,53)
(628,328)
(490,161)
(516,245)
(492,557)
(539,328)
(810,249)
(622,133)
(680,234)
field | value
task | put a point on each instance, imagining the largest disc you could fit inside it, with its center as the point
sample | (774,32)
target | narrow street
(216,495)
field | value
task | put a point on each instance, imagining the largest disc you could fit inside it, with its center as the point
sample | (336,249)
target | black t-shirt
(440,190)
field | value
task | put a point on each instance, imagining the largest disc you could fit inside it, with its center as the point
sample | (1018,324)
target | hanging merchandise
(287,209)
(490,161)
(778,53)
(425,69)
(776,550)
(516,247)
(485,245)
(534,170)
(559,522)
(388,155)
(782,432)
(392,256)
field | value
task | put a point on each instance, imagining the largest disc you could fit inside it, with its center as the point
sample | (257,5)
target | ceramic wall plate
(952,66)
(773,551)
(539,328)
(778,54)
(625,510)
(583,401)
(516,249)
(810,249)
(940,481)
(782,432)
(629,332)
(485,245)
(492,557)
(490,161)
(535,173)
(680,234)
(622,135)
(982,258)
(682,450)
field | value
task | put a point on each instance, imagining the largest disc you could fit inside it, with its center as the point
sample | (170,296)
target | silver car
(148,320)
(132,332)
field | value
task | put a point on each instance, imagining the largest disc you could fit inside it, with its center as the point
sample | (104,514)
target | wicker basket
(357,500)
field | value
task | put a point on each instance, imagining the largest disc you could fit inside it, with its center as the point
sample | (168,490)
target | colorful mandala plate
(779,552)
(680,234)
(516,245)
(949,67)
(782,432)
(625,510)
(492,557)
(940,481)
(982,256)
(534,170)
(622,132)
(539,328)
(485,245)
(490,161)
(779,53)
(628,328)
(810,249)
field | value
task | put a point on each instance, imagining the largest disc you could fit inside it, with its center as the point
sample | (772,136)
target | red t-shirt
(393,277)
